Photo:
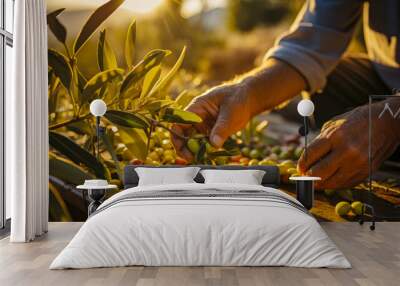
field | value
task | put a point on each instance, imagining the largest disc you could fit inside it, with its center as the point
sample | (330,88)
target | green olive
(284,155)
(292,171)
(267,162)
(254,154)
(276,149)
(120,148)
(127,155)
(166,144)
(159,151)
(153,156)
(288,163)
(245,151)
(357,207)
(221,160)
(273,157)
(149,161)
(253,162)
(209,148)
(169,153)
(193,145)
(169,159)
(342,208)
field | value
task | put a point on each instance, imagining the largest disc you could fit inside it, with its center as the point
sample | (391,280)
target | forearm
(271,84)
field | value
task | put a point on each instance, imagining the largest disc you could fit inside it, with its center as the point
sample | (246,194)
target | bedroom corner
(199,142)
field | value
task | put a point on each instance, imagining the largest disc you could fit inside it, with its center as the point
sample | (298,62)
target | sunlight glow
(136,6)
(192,7)
(142,6)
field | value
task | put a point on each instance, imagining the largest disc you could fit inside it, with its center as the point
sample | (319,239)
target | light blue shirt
(323,30)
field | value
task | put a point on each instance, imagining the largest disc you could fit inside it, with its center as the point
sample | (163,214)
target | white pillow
(248,177)
(164,176)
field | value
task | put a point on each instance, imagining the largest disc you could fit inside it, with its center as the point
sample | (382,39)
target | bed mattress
(201,225)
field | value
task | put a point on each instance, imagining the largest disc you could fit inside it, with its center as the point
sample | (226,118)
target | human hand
(227,108)
(339,154)
(224,109)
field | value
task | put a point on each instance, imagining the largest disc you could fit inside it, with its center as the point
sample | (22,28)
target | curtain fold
(27,124)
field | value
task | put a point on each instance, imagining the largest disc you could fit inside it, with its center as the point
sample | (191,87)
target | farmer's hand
(224,109)
(339,155)
(227,108)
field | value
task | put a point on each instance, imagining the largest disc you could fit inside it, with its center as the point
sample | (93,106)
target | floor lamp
(305,184)
(96,188)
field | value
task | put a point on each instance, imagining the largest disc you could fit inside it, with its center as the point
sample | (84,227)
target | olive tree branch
(65,123)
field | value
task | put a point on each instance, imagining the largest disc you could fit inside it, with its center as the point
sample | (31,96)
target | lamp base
(96,198)
(305,190)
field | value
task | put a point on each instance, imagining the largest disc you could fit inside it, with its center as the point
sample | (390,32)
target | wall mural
(148,60)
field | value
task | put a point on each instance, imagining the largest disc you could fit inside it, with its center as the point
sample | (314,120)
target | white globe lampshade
(305,107)
(98,107)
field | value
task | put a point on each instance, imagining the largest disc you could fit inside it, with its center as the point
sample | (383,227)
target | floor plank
(375,256)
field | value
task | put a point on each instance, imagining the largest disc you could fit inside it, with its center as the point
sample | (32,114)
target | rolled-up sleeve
(318,38)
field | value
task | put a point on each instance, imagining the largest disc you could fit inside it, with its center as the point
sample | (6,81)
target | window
(6,44)
(9,13)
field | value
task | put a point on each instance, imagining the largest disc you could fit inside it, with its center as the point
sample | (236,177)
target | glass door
(6,65)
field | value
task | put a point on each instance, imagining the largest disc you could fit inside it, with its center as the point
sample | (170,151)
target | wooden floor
(375,257)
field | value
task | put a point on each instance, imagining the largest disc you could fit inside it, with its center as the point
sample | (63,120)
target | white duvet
(200,231)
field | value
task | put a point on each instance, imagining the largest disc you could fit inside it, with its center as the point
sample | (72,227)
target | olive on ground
(357,207)
(342,208)
(253,162)
(254,154)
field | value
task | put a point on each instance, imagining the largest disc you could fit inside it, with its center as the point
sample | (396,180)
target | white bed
(185,230)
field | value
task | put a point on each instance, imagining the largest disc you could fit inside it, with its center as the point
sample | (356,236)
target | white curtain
(27,124)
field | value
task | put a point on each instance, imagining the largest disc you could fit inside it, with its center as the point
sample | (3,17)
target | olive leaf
(166,80)
(56,27)
(105,137)
(184,98)
(75,89)
(67,171)
(200,155)
(157,105)
(81,128)
(261,126)
(81,80)
(175,115)
(135,140)
(126,119)
(61,68)
(76,153)
(151,60)
(58,209)
(99,80)
(94,21)
(53,82)
(105,55)
(230,145)
(130,43)
(150,80)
